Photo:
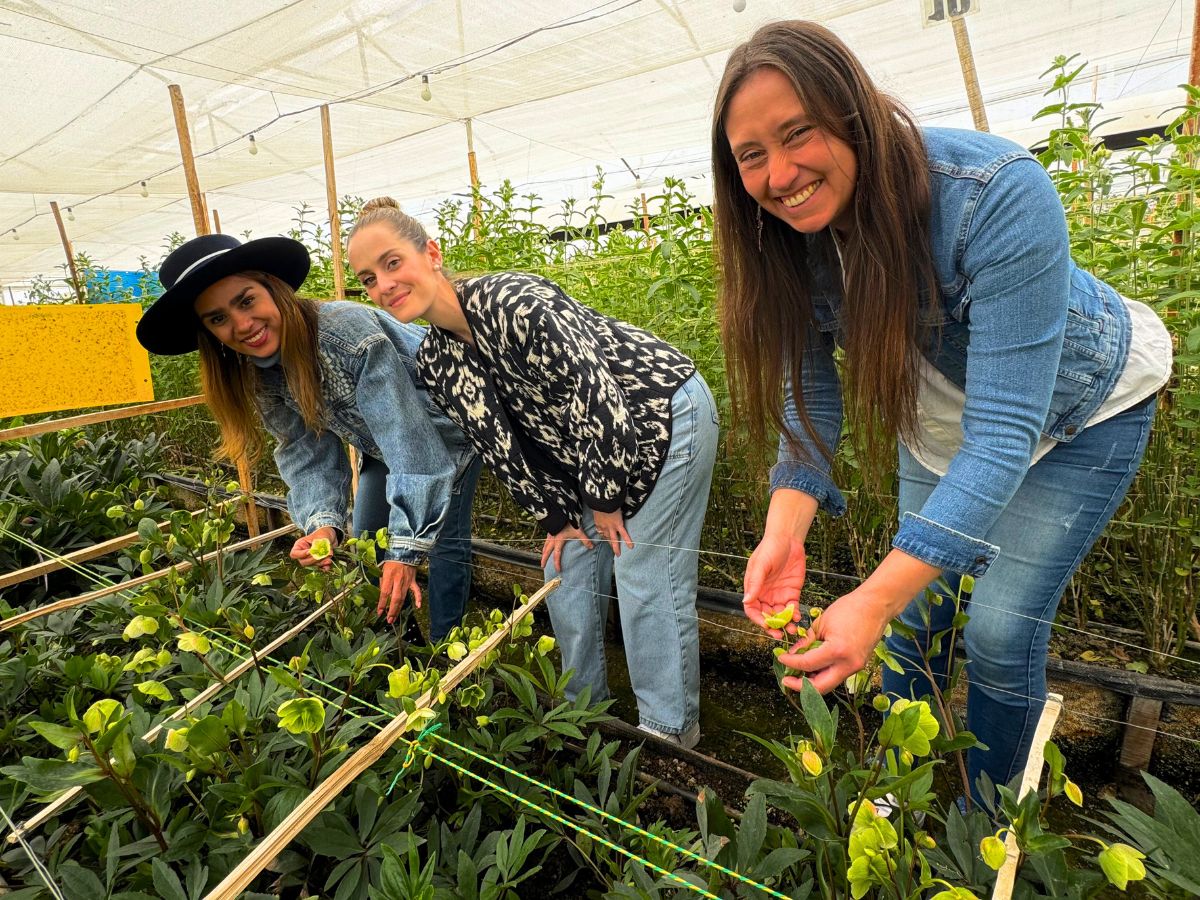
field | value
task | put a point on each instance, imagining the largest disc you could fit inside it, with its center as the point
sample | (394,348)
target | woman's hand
(850,629)
(774,577)
(554,544)
(397,580)
(302,549)
(611,526)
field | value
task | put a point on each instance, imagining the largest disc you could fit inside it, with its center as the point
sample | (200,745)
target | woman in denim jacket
(600,430)
(1020,389)
(320,374)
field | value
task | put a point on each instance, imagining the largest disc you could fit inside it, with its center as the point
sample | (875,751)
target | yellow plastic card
(71,357)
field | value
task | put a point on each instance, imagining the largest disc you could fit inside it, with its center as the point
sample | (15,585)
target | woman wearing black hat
(319,374)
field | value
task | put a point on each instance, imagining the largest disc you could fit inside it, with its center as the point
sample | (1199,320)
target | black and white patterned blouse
(565,405)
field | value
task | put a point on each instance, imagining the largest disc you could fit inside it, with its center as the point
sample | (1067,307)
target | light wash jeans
(1043,534)
(450,560)
(656,580)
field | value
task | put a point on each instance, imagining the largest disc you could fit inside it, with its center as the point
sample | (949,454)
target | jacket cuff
(554,522)
(326,519)
(944,547)
(799,477)
(411,552)
(604,505)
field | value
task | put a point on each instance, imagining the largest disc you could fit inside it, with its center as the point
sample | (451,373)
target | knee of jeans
(1005,664)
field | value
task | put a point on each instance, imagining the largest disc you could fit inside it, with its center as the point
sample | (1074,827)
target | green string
(430,731)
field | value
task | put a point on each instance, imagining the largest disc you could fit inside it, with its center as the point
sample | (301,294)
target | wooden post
(66,242)
(199,217)
(243,470)
(362,759)
(216,217)
(966,60)
(474,170)
(335,225)
(1006,877)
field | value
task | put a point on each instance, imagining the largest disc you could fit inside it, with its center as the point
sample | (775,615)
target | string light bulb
(739,5)
(253,146)
(70,214)
(145,190)
(426,94)
(16,236)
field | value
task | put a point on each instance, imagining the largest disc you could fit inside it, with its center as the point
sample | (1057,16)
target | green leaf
(166,882)
(154,689)
(208,736)
(59,735)
(301,715)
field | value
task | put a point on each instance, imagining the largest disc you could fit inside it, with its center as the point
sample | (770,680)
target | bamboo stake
(966,60)
(204,696)
(1193,65)
(474,170)
(1006,877)
(271,845)
(216,217)
(66,242)
(83,555)
(243,470)
(69,602)
(199,217)
(335,225)
(110,415)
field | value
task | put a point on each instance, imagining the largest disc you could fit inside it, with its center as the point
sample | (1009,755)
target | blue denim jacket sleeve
(1016,260)
(314,467)
(822,393)
(420,468)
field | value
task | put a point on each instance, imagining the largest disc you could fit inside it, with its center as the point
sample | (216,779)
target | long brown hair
(230,379)
(766,307)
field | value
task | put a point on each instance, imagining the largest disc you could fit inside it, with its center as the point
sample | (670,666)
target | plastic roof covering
(554,89)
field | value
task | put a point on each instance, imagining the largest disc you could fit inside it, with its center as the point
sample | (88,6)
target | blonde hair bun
(380,203)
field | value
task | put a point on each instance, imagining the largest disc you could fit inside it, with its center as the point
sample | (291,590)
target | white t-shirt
(940,401)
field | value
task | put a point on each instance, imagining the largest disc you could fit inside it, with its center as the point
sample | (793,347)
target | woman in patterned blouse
(601,431)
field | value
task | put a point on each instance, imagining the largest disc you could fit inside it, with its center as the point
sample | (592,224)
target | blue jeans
(450,561)
(656,580)
(1044,533)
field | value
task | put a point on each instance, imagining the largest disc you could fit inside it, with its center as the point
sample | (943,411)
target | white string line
(981,604)
(43,873)
(916,673)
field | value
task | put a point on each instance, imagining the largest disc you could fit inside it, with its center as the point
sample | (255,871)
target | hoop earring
(758,217)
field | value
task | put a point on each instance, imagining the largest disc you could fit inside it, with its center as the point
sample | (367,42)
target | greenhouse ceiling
(553,91)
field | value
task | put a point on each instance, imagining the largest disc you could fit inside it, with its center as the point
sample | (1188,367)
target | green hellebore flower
(1122,864)
(545,644)
(781,618)
(320,549)
(992,850)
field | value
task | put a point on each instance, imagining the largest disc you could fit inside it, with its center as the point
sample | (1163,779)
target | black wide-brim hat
(170,326)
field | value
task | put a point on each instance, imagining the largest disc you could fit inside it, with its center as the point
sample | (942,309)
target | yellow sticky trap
(71,357)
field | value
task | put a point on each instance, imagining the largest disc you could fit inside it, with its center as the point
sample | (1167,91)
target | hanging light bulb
(426,94)
(70,214)
(253,146)
(739,5)
(145,190)
(16,237)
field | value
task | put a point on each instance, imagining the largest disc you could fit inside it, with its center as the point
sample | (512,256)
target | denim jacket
(368,384)
(1036,343)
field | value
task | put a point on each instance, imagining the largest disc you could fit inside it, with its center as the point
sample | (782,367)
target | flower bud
(881,703)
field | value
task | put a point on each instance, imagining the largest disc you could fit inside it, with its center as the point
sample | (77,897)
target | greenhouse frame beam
(270,846)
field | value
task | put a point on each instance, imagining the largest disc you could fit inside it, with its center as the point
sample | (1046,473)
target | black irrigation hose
(1118,681)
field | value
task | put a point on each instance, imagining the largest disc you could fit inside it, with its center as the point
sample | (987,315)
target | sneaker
(687,740)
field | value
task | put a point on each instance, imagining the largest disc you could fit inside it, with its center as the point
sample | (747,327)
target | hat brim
(170,326)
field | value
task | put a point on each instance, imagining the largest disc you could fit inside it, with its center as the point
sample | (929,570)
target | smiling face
(794,169)
(241,314)
(397,275)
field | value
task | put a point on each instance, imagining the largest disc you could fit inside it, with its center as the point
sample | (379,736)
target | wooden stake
(271,845)
(1006,877)
(216,217)
(96,550)
(125,412)
(70,602)
(335,225)
(66,242)
(966,60)
(199,216)
(243,470)
(204,696)
(1138,744)
(474,170)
